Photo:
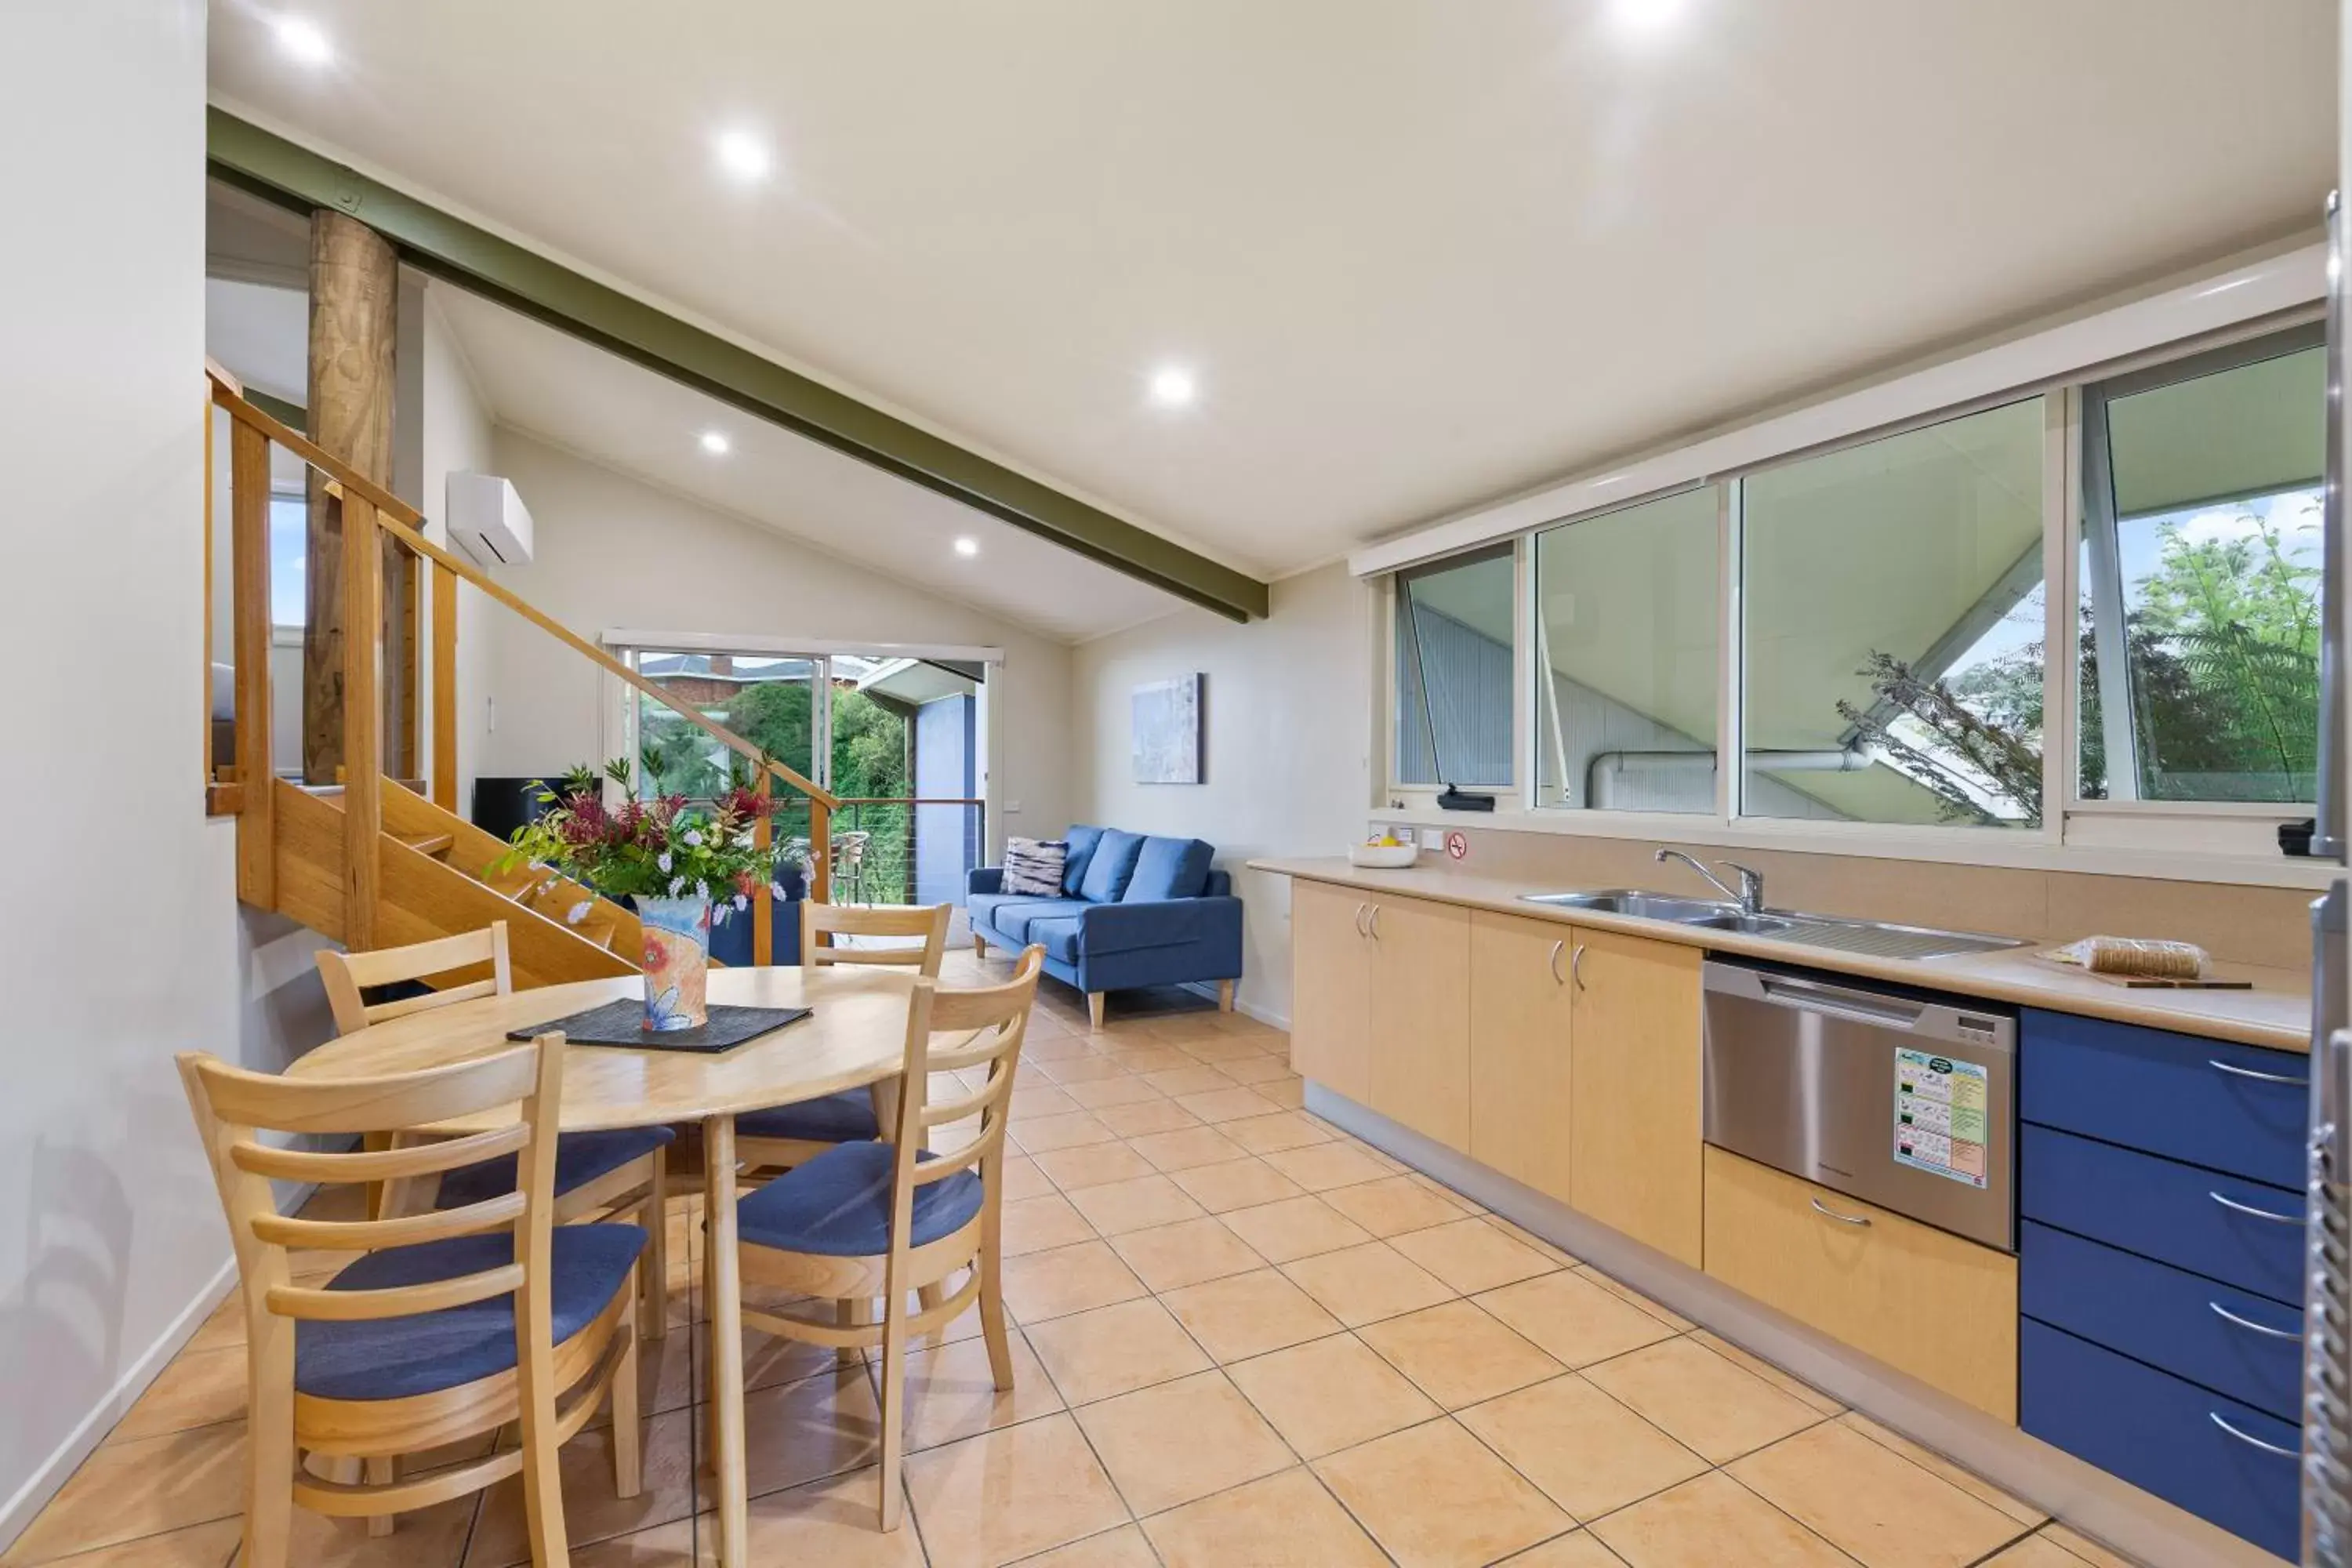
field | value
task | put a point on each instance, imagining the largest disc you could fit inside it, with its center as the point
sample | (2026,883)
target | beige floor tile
(1033,1224)
(1059,1133)
(768,1363)
(1706,1403)
(2076,1544)
(1192,1078)
(1145,1116)
(1039,1286)
(1234,1183)
(431,1538)
(1872,1501)
(1135,1204)
(951,1391)
(1458,1356)
(1984,1491)
(1518,1233)
(1285,1091)
(1625,1292)
(832,1521)
(1581,1550)
(196,1388)
(225,1328)
(1392,1205)
(1091,1067)
(2035,1552)
(1318,1166)
(1286,1520)
(1273,1128)
(1169,1446)
(1124,1089)
(1364,1284)
(1115,1350)
(1233,1102)
(1795,1388)
(1049,1042)
(197,1546)
(1436,1497)
(1590,1453)
(1220,1047)
(1331,1393)
(802,1431)
(1036,1103)
(1472,1255)
(1255,1069)
(1171,1257)
(1187,1146)
(1300,1227)
(1246,1315)
(1010,1494)
(127,1491)
(1023,1179)
(592,1512)
(1122,1548)
(1690,1526)
(1148,1055)
(1573,1320)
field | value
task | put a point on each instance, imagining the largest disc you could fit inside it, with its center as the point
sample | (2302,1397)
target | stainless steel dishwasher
(1903,1098)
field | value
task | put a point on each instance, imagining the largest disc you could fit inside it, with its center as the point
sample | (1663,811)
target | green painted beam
(293,415)
(443,246)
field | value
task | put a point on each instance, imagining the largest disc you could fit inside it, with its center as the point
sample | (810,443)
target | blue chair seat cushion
(393,1358)
(839,1205)
(580,1158)
(842,1118)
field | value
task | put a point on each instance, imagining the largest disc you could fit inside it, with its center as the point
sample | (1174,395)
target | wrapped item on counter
(2135,957)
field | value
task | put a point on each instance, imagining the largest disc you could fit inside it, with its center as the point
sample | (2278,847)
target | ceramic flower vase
(678,958)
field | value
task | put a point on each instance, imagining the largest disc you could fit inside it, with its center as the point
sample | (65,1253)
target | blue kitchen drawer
(2162,1209)
(2160,1435)
(2165,1317)
(2176,1095)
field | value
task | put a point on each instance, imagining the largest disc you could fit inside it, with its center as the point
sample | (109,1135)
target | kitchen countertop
(2276,1013)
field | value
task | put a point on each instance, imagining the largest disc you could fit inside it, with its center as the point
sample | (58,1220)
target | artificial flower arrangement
(683,869)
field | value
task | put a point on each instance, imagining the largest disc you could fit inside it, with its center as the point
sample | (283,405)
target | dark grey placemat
(622,1024)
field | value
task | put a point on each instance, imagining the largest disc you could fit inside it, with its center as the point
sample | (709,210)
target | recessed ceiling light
(303,42)
(743,155)
(967,546)
(716,442)
(1173,386)
(1646,17)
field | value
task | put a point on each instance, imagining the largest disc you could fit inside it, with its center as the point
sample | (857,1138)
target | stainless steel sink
(1639,904)
(1747,924)
(1879,939)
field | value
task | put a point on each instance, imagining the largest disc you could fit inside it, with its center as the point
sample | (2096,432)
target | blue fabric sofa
(1134,911)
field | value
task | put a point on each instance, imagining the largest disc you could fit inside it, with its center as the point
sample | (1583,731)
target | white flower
(577,912)
(776,892)
(663,860)
(677,887)
(694,838)
(742,902)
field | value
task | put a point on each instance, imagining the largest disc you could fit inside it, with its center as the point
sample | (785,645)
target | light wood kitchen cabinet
(1331,988)
(1633,1124)
(1519,1050)
(1420,1070)
(1918,1299)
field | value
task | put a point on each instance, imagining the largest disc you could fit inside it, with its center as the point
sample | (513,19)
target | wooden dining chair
(453,1324)
(597,1174)
(787,1135)
(868,1220)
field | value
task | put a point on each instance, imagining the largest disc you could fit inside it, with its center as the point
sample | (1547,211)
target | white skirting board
(2078,1494)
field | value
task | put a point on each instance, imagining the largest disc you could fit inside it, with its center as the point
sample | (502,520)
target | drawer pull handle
(2257,1077)
(2252,1442)
(1557,977)
(2252,1213)
(2227,1316)
(1821,1208)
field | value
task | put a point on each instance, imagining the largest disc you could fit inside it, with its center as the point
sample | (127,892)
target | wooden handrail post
(257,849)
(444,688)
(820,889)
(362,720)
(763,906)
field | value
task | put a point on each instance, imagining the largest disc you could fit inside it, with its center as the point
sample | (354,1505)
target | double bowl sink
(1878,939)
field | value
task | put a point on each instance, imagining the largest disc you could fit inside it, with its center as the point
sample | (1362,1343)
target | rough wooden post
(362,722)
(354,296)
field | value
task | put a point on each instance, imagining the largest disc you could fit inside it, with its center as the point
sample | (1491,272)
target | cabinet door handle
(1359,918)
(1576,965)
(2251,1326)
(2250,1441)
(2257,1077)
(1557,977)
(1376,936)
(2252,1213)
(1821,1208)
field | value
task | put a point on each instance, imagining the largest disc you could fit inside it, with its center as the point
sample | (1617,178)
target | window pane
(1454,673)
(1626,622)
(1894,628)
(2213,483)
(289,560)
(762,698)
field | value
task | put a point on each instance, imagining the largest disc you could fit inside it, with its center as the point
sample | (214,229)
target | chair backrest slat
(401,1230)
(377,1165)
(821,922)
(395,1300)
(347,974)
(990,1022)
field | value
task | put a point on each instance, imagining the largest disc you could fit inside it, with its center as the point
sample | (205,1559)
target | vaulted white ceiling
(1417,254)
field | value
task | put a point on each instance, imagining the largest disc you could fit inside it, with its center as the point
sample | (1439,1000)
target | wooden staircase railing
(371,515)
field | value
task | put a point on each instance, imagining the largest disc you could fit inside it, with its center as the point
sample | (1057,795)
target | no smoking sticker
(1457,845)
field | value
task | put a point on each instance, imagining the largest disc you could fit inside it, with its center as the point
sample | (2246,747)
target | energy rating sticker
(1940,1116)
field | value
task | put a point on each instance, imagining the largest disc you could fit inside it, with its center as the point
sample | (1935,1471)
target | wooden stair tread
(434,843)
(598,931)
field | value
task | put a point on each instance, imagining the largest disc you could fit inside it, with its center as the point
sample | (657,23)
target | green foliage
(652,848)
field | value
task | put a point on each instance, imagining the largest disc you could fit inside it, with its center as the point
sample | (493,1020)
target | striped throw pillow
(1034,865)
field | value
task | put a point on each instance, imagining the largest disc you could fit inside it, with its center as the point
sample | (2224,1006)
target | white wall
(455,429)
(1286,708)
(611,552)
(123,935)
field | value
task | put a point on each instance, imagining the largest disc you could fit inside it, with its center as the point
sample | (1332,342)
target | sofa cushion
(1169,869)
(1110,867)
(839,1205)
(1082,840)
(1013,919)
(1062,937)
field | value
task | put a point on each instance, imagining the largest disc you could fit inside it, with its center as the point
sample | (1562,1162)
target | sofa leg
(1095,1008)
(980,945)
(1225,995)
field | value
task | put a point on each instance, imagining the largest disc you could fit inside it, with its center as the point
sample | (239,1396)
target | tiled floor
(1243,1339)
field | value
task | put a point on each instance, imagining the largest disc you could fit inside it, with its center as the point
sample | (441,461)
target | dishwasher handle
(1836,1002)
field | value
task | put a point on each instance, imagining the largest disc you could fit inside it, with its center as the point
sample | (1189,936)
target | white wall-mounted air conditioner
(488,520)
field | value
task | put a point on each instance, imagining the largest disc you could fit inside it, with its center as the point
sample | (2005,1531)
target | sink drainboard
(1888,940)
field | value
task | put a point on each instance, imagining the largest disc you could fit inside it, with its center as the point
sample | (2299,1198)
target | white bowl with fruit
(1382,851)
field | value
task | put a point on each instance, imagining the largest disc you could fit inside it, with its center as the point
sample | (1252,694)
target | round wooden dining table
(854,1036)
